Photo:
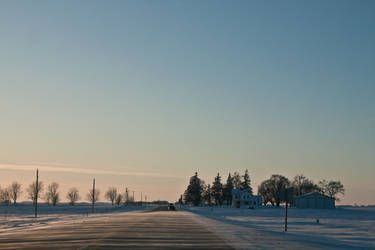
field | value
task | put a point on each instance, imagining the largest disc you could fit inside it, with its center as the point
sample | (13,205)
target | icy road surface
(129,230)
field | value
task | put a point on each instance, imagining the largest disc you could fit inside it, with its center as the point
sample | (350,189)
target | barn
(313,200)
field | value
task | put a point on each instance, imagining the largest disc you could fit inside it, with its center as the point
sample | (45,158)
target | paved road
(135,230)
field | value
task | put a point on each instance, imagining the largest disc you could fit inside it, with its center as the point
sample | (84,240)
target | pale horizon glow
(77,170)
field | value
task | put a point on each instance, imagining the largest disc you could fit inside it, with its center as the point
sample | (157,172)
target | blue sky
(171,87)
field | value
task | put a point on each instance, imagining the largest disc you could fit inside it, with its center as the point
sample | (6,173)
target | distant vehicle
(171,207)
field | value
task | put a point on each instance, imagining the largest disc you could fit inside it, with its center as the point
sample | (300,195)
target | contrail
(80,170)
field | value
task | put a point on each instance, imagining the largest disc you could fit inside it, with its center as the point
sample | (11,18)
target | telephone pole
(93,196)
(287,196)
(36,193)
(286,217)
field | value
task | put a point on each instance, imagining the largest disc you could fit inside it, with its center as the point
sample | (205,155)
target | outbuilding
(314,200)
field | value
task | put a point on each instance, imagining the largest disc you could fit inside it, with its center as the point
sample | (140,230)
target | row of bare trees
(52,195)
(11,193)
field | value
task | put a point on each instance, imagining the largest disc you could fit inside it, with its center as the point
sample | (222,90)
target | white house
(245,197)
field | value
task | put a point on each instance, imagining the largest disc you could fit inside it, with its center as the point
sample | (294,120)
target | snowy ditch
(343,227)
(21,216)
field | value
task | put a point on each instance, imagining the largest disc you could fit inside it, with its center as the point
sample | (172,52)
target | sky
(141,94)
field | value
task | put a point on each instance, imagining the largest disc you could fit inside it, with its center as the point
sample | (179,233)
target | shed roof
(312,194)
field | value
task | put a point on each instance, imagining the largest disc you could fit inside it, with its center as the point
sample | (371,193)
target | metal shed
(314,200)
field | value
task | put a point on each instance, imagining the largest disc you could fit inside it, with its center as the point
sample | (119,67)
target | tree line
(52,195)
(197,192)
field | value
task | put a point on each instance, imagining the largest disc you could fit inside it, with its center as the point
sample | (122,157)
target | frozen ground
(260,228)
(154,229)
(343,227)
(21,217)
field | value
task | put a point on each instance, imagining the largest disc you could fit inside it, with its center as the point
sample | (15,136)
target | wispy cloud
(76,170)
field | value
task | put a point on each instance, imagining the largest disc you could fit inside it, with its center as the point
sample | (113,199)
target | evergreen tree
(245,184)
(227,191)
(236,180)
(207,195)
(180,201)
(193,193)
(186,196)
(217,190)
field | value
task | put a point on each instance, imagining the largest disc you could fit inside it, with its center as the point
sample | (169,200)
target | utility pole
(36,193)
(286,217)
(287,196)
(93,196)
(127,195)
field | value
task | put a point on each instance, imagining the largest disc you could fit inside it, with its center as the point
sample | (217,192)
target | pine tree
(237,180)
(227,191)
(207,194)
(193,193)
(245,184)
(217,190)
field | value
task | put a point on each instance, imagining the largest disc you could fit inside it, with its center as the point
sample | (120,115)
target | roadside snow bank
(263,227)
(21,217)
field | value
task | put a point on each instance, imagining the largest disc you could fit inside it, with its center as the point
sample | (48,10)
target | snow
(343,227)
(259,228)
(21,216)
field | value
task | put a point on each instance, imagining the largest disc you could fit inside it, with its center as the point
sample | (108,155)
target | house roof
(312,194)
(239,191)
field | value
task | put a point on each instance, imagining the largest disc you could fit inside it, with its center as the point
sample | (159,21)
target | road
(134,230)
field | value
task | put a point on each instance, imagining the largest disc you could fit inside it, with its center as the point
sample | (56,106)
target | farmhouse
(313,200)
(245,197)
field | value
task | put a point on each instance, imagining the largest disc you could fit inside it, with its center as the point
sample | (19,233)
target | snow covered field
(21,217)
(260,228)
(343,227)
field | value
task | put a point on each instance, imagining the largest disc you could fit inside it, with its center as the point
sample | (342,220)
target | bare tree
(126,196)
(73,196)
(303,185)
(34,192)
(265,190)
(332,188)
(130,199)
(93,197)
(15,191)
(52,195)
(111,194)
(119,199)
(271,188)
(5,196)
